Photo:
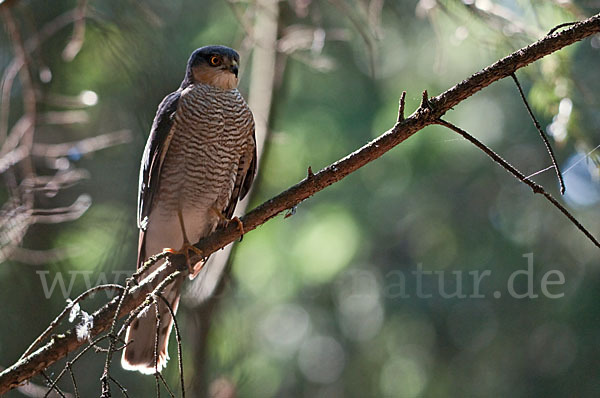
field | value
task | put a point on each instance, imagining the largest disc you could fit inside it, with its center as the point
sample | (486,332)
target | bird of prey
(200,159)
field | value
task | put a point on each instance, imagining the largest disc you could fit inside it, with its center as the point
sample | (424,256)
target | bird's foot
(240,225)
(185,250)
(226,220)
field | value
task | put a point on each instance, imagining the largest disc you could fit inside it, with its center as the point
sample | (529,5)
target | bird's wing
(251,172)
(156,147)
(154,154)
(246,172)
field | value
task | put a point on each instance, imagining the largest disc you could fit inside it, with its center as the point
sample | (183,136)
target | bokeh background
(324,303)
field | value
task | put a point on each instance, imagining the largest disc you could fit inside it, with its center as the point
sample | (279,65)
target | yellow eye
(215,61)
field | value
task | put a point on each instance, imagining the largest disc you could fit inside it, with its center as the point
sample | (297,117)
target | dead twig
(52,387)
(76,42)
(542,135)
(557,27)
(536,188)
(178,339)
(67,310)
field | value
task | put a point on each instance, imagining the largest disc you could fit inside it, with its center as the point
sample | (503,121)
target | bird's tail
(139,354)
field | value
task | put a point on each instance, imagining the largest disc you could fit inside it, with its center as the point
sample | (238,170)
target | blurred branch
(62,214)
(11,71)
(29,97)
(361,25)
(430,112)
(41,257)
(22,51)
(64,117)
(502,17)
(18,147)
(50,185)
(74,45)
(82,147)
(12,158)
(29,100)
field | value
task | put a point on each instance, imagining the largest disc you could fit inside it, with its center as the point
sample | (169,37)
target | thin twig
(159,289)
(75,389)
(401,107)
(586,156)
(557,27)
(109,352)
(540,171)
(123,389)
(91,344)
(156,338)
(149,263)
(508,167)
(64,313)
(542,134)
(53,386)
(164,382)
(178,339)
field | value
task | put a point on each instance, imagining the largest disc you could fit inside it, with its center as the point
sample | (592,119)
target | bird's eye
(215,61)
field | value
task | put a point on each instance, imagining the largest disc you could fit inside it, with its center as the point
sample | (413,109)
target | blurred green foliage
(318,306)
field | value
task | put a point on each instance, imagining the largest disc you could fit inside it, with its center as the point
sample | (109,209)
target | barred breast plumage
(210,139)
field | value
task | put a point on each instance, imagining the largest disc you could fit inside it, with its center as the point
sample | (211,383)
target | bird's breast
(211,131)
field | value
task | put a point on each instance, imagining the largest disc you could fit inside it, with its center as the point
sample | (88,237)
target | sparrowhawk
(200,159)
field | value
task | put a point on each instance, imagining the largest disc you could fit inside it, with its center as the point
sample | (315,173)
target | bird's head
(213,65)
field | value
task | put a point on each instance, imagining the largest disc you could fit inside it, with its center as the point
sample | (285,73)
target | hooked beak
(234,68)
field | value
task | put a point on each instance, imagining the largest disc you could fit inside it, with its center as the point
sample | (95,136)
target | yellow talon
(240,225)
(228,220)
(185,250)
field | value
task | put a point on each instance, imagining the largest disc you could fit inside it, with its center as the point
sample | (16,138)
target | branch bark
(428,113)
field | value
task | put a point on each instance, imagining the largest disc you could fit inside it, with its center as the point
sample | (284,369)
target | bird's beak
(234,68)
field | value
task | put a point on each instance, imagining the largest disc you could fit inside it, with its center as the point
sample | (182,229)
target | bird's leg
(187,246)
(228,220)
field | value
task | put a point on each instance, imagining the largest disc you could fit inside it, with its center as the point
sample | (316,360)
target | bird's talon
(240,225)
(228,220)
(185,250)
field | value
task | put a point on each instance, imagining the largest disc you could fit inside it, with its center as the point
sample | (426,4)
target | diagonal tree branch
(428,113)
